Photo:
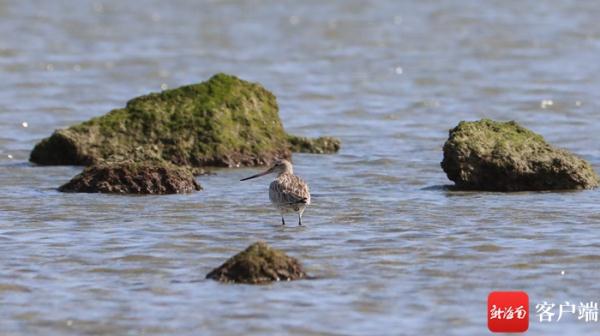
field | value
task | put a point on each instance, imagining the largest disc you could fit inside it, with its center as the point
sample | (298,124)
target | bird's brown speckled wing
(289,189)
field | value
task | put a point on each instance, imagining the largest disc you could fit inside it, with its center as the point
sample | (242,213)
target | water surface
(393,251)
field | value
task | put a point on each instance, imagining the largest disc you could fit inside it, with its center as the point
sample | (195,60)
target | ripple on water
(487,248)
(12,288)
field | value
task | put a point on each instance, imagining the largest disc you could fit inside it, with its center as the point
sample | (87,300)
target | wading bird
(288,192)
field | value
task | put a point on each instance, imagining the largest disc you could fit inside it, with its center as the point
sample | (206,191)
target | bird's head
(279,167)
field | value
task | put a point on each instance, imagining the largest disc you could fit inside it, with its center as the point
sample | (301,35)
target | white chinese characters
(587,311)
(507,313)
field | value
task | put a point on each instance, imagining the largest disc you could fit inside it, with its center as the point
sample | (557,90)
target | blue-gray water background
(394,253)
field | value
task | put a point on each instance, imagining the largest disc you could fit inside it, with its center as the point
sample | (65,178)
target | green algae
(500,138)
(504,156)
(321,145)
(224,121)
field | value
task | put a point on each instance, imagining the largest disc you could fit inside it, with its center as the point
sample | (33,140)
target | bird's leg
(282,220)
(299,219)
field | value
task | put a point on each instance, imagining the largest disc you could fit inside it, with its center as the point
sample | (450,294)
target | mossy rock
(133,178)
(504,156)
(321,145)
(258,264)
(223,122)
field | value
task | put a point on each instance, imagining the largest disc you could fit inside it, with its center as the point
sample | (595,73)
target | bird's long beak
(258,175)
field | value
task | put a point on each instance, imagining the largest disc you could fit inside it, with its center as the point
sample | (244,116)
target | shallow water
(394,252)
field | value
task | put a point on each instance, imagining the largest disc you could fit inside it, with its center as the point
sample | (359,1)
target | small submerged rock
(133,178)
(258,264)
(321,145)
(504,156)
(225,121)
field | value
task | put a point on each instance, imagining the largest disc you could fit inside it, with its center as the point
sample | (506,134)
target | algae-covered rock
(224,121)
(504,156)
(258,264)
(321,145)
(133,178)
